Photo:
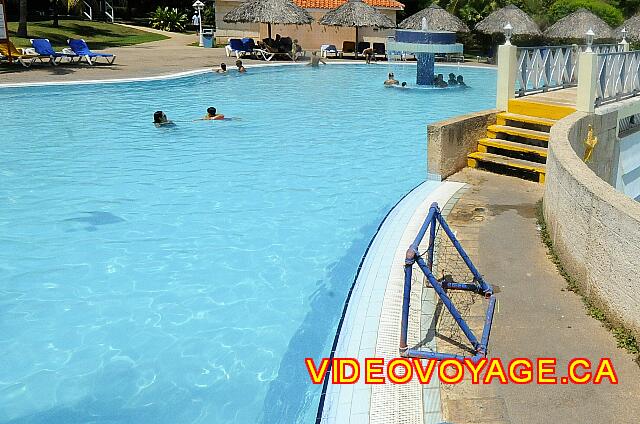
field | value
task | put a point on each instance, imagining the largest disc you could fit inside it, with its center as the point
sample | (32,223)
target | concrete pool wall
(595,228)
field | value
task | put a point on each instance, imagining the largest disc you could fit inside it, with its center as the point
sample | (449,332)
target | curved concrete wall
(595,229)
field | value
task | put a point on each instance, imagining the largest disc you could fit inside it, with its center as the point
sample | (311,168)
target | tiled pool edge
(372,321)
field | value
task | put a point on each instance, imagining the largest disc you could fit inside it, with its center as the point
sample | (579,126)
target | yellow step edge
(503,117)
(506,161)
(539,109)
(492,130)
(510,145)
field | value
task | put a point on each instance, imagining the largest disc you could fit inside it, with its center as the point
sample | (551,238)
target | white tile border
(201,71)
(373,317)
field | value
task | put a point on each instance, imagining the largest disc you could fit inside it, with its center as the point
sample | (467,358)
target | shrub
(168,20)
(604,11)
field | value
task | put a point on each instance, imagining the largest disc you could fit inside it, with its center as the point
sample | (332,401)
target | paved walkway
(536,317)
(156,58)
(141,60)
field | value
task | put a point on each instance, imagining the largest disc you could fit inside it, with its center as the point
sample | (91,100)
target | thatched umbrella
(576,24)
(437,18)
(521,22)
(632,25)
(269,12)
(358,14)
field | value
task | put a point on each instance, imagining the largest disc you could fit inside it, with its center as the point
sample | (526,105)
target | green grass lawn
(99,35)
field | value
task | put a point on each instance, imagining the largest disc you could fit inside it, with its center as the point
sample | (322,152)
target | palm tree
(22,26)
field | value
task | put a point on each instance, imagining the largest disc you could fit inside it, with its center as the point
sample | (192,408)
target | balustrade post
(625,45)
(587,82)
(507,69)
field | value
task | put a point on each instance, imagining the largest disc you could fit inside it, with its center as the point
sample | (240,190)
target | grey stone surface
(450,141)
(595,229)
(535,317)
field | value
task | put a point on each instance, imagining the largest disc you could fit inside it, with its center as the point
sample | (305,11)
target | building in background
(309,36)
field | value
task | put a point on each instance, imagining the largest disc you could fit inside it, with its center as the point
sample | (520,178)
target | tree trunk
(22,26)
(54,5)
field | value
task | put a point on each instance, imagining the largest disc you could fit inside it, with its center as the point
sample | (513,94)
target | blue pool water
(181,275)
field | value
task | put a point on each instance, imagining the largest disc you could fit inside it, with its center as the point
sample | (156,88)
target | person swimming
(213,115)
(404,84)
(452,79)
(223,69)
(461,82)
(240,66)
(315,60)
(391,80)
(160,119)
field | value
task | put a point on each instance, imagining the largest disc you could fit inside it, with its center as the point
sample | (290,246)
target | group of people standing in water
(438,81)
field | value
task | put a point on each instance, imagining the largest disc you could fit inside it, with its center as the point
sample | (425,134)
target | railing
(545,68)
(109,11)
(618,76)
(86,7)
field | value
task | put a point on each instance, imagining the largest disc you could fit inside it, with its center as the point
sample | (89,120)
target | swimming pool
(181,275)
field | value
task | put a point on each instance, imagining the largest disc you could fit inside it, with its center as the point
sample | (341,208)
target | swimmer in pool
(404,84)
(315,60)
(160,119)
(212,115)
(460,81)
(391,80)
(452,79)
(241,68)
(223,69)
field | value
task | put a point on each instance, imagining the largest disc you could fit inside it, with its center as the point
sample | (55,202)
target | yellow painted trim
(539,109)
(520,132)
(506,162)
(503,117)
(484,142)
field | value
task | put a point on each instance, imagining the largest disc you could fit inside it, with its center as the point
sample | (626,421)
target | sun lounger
(348,47)
(379,50)
(25,60)
(238,48)
(43,48)
(327,49)
(81,49)
(362,45)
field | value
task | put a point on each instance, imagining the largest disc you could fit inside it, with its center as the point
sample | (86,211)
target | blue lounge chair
(237,47)
(81,49)
(327,49)
(43,47)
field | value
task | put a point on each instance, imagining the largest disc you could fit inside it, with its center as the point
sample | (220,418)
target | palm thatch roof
(356,13)
(576,24)
(269,12)
(521,22)
(437,18)
(632,25)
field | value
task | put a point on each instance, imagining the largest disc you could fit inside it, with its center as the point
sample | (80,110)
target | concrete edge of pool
(371,326)
(201,71)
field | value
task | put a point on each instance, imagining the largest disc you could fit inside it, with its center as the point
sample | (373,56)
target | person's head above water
(404,83)
(223,66)
(211,111)
(159,117)
(238,63)
(452,76)
(460,78)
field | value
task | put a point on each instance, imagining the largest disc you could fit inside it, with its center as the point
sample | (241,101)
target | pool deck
(372,322)
(495,220)
(158,58)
